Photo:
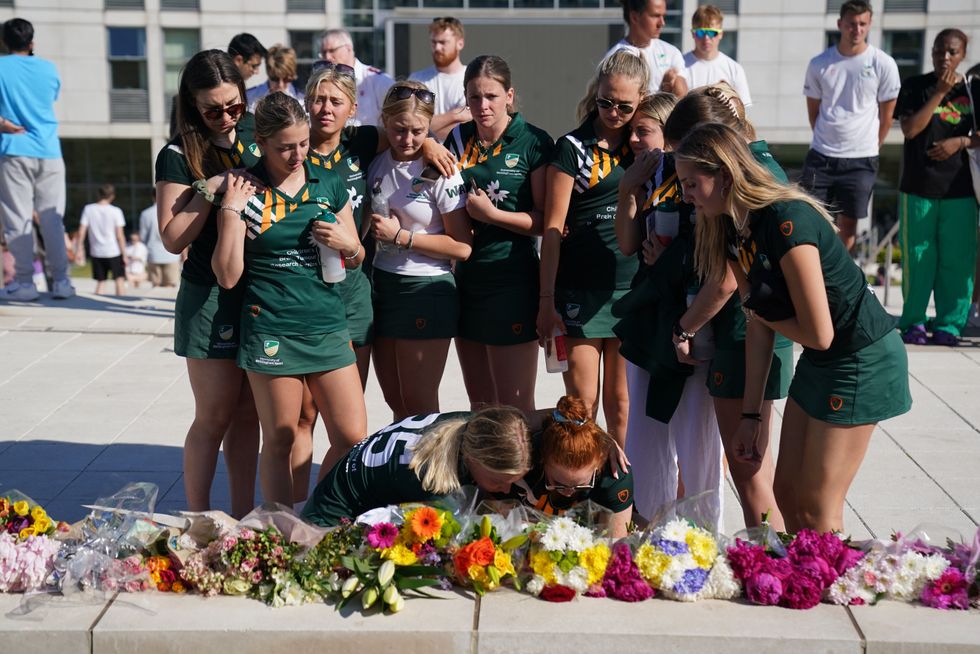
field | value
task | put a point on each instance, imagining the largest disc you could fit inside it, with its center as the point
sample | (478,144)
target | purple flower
(764,588)
(692,581)
(947,592)
(847,559)
(382,535)
(671,547)
(800,591)
(623,580)
(815,567)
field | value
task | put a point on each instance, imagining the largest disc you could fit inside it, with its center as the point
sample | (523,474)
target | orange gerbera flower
(426,523)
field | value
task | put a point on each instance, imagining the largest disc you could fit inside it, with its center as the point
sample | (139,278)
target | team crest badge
(517,328)
(225,332)
(417,184)
(511,160)
(354,164)
(271,348)
(718,378)
(571,310)
(254,149)
(255,310)
(420,323)
(786,228)
(623,495)
(323,203)
(836,402)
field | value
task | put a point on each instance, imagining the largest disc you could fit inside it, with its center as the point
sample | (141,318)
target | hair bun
(573,408)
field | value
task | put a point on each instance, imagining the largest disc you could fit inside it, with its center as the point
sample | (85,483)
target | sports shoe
(916,335)
(943,337)
(974,319)
(62,290)
(20,292)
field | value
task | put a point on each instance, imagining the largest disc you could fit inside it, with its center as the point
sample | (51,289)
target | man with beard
(445,77)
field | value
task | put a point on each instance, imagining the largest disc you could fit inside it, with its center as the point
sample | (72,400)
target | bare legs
(585,358)
(499,374)
(409,372)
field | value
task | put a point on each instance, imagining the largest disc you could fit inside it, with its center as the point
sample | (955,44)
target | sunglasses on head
(233,111)
(702,32)
(621,107)
(405,92)
(340,69)
(579,488)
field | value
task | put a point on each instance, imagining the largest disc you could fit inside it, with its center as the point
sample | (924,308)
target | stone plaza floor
(92,397)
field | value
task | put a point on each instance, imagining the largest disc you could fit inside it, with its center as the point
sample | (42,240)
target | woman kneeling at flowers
(573,464)
(422,458)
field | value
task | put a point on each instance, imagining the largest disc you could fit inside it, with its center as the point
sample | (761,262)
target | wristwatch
(681,334)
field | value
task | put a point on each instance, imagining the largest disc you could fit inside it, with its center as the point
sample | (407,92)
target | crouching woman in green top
(422,458)
(293,323)
(796,279)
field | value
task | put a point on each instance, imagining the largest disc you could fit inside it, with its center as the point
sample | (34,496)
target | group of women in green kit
(675,258)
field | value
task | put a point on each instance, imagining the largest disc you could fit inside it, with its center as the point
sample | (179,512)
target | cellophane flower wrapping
(28,547)
(566,554)
(490,546)
(679,559)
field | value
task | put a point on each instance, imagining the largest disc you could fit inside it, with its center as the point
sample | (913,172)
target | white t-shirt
(136,255)
(660,57)
(102,221)
(703,72)
(372,86)
(849,90)
(448,87)
(419,206)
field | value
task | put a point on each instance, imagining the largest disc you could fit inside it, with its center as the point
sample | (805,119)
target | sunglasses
(340,69)
(233,111)
(562,488)
(711,34)
(621,107)
(405,92)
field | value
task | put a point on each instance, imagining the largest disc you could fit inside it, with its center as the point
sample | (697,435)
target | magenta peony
(746,559)
(764,588)
(623,580)
(801,591)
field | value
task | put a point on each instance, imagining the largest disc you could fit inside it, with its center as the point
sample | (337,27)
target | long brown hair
(206,70)
(717,103)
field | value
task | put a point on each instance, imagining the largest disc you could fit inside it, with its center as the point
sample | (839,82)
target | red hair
(573,439)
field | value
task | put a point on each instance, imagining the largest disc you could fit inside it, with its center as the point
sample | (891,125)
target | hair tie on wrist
(560,417)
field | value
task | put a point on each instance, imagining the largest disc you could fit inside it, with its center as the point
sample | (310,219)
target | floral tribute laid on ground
(374,562)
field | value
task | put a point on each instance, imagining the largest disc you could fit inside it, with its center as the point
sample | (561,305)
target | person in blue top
(32,172)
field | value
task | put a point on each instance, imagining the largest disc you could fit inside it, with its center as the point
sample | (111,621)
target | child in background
(136,254)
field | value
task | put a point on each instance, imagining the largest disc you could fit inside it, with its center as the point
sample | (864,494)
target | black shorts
(844,185)
(102,266)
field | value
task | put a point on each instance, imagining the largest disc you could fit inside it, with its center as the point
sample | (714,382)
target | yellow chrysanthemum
(594,560)
(703,548)
(21,508)
(543,566)
(651,563)
(503,562)
(399,555)
(37,513)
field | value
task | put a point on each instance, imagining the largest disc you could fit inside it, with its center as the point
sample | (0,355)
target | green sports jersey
(858,317)
(284,292)
(376,472)
(590,258)
(760,150)
(503,170)
(350,160)
(171,166)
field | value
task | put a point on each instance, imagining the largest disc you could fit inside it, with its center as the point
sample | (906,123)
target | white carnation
(935,566)
(577,579)
(676,530)
(721,583)
(535,585)
(553,541)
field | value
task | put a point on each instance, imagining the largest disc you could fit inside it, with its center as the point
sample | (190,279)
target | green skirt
(207,320)
(355,291)
(588,313)
(726,373)
(860,388)
(415,307)
(498,313)
(272,354)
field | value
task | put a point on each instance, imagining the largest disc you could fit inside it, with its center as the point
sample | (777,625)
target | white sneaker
(974,319)
(20,292)
(62,290)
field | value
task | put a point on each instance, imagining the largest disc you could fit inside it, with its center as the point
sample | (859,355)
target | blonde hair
(707,15)
(276,112)
(345,83)
(717,103)
(280,63)
(657,107)
(627,63)
(440,25)
(714,148)
(411,105)
(496,437)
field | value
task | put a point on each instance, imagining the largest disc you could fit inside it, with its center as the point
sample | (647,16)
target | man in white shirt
(445,76)
(373,83)
(645,20)
(103,222)
(706,64)
(851,90)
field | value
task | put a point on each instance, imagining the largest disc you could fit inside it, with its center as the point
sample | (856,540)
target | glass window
(89,163)
(675,22)
(899,6)
(729,44)
(726,6)
(307,46)
(906,47)
(127,58)
(179,45)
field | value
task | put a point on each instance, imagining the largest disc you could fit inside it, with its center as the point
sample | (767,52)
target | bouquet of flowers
(798,580)
(27,551)
(485,557)
(163,575)
(683,561)
(21,517)
(566,560)
(319,571)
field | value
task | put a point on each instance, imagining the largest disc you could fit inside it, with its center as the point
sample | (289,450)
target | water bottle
(556,356)
(663,224)
(703,343)
(379,205)
(331,261)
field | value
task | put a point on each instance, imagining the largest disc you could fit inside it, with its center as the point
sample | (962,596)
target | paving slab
(900,628)
(511,622)
(162,623)
(55,624)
